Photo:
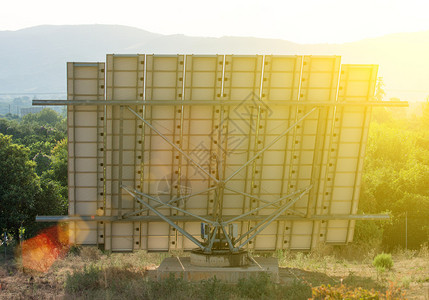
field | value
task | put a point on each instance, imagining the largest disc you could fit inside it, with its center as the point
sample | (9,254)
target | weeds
(213,289)
(90,283)
(383,262)
(259,287)
(92,274)
(87,279)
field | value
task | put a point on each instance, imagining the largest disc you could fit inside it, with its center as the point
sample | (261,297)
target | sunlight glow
(307,21)
(41,251)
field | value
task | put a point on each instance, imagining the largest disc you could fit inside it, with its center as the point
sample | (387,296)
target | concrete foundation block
(182,267)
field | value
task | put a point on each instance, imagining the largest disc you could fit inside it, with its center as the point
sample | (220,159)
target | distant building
(31,110)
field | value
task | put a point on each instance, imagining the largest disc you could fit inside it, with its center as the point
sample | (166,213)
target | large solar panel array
(220,111)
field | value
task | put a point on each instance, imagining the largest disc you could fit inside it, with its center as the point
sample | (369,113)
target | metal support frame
(220,185)
(218,222)
(219,225)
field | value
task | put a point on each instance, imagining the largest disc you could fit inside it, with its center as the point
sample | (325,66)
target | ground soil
(410,273)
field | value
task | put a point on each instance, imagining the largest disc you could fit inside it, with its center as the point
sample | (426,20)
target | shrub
(212,289)
(383,261)
(258,287)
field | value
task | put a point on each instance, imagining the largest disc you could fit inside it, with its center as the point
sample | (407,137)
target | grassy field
(88,273)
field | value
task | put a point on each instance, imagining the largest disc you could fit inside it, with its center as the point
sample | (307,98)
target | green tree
(23,195)
(19,186)
(396,179)
(58,168)
(59,159)
(45,117)
(380,93)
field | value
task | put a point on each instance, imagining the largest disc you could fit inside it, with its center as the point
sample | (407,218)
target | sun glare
(41,251)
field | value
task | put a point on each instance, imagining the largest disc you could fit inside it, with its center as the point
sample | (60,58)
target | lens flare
(41,251)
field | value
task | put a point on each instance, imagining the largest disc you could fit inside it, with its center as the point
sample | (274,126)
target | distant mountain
(34,59)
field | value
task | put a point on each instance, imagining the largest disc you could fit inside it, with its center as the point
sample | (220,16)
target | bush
(258,287)
(212,289)
(383,261)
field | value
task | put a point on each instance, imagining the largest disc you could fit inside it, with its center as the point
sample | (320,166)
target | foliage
(396,179)
(39,132)
(33,170)
(345,292)
(380,93)
(19,186)
(58,166)
(214,289)
(383,261)
(342,292)
(259,287)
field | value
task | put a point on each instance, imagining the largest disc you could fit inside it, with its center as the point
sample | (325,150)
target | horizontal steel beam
(215,102)
(190,219)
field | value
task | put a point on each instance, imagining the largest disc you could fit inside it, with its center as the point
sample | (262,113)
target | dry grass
(90,273)
(410,271)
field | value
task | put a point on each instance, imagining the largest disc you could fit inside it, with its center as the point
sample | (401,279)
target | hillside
(34,59)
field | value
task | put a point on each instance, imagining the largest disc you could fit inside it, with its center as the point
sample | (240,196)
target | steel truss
(220,235)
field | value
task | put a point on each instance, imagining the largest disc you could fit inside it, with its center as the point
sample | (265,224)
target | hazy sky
(305,21)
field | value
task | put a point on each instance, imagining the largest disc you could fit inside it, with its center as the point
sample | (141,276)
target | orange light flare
(41,251)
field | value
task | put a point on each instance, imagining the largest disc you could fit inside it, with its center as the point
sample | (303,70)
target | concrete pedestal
(182,267)
(218,259)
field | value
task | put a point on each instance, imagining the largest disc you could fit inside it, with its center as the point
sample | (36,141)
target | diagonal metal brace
(270,144)
(178,228)
(134,192)
(173,145)
(265,205)
(269,219)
